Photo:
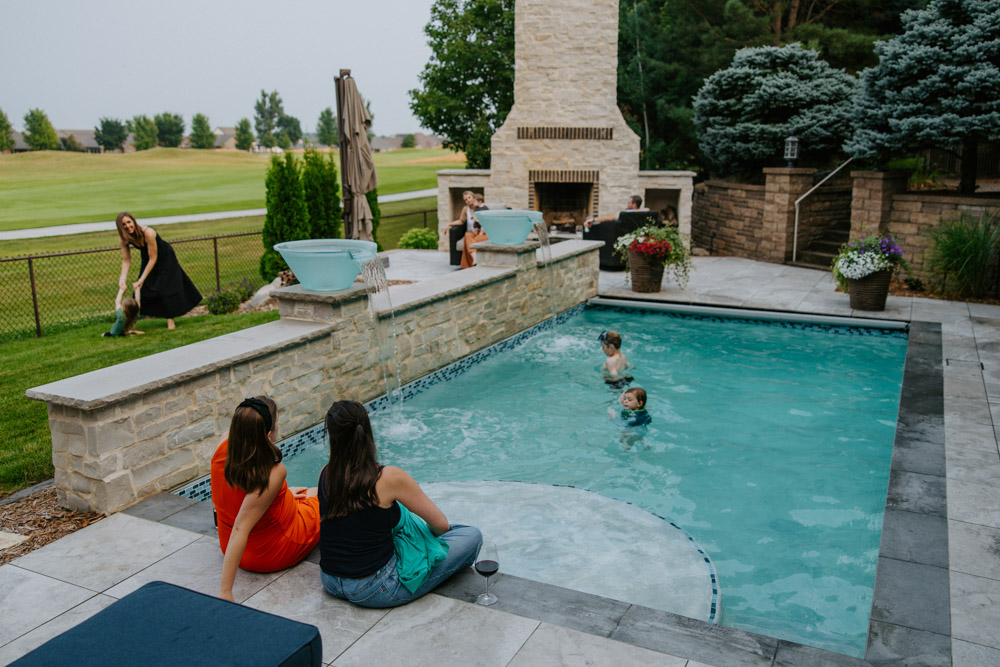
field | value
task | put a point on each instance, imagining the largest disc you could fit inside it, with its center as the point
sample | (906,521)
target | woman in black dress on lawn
(166,291)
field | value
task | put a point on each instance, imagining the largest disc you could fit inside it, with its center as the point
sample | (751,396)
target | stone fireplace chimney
(565,148)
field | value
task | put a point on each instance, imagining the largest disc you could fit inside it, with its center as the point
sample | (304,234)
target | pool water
(770,445)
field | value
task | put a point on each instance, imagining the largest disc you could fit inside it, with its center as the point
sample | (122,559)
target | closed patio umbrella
(357,168)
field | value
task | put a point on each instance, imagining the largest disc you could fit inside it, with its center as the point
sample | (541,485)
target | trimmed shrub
(419,238)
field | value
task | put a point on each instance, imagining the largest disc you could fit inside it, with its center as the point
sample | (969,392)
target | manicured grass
(48,188)
(26,448)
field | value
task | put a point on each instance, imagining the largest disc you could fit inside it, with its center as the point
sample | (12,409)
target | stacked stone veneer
(123,433)
(565,116)
(881,205)
(734,212)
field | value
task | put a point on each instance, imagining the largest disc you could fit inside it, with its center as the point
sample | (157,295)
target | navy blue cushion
(163,624)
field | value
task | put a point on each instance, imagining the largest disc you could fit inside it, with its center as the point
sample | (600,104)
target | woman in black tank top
(362,505)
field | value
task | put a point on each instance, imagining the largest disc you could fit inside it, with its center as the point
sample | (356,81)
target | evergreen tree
(287,218)
(201,132)
(409,141)
(326,128)
(743,114)
(6,133)
(320,186)
(169,129)
(372,197)
(467,86)
(111,134)
(267,110)
(936,85)
(244,135)
(290,127)
(146,134)
(38,132)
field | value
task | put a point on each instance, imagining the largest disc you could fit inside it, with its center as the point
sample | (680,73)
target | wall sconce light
(791,150)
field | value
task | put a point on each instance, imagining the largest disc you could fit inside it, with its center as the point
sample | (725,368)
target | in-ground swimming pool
(770,445)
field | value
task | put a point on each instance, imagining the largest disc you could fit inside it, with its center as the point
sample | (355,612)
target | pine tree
(169,129)
(372,197)
(146,134)
(936,85)
(38,132)
(287,218)
(201,133)
(320,186)
(111,134)
(326,128)
(743,114)
(244,135)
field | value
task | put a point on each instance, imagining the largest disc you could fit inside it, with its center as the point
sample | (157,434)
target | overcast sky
(80,60)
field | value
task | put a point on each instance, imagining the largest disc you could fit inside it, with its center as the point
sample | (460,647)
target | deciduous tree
(321,188)
(146,135)
(71,143)
(326,128)
(409,141)
(169,129)
(111,134)
(290,127)
(244,135)
(287,218)
(6,133)
(744,113)
(38,132)
(467,86)
(267,110)
(936,85)
(201,132)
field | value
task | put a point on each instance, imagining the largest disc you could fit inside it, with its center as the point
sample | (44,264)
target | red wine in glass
(487,564)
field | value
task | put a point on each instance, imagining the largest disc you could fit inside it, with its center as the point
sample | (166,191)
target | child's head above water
(610,339)
(634,398)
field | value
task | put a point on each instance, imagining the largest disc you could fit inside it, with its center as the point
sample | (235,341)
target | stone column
(871,200)
(782,187)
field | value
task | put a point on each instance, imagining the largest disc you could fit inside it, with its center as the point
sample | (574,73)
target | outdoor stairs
(820,253)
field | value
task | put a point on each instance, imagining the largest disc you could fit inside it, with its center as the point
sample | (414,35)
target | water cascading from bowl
(377,288)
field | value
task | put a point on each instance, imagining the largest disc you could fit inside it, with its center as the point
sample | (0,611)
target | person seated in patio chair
(126,312)
(264,525)
(634,204)
(614,368)
(383,541)
(476,235)
(669,215)
(465,218)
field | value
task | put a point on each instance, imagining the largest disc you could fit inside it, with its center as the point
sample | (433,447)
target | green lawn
(26,449)
(48,188)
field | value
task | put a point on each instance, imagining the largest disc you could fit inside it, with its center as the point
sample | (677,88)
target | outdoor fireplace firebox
(565,148)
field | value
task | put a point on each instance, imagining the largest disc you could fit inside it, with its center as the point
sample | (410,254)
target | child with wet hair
(633,403)
(615,365)
(126,312)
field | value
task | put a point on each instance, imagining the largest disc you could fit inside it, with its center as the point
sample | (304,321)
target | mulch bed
(40,518)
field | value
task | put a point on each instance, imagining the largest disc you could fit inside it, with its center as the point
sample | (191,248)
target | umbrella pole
(346,196)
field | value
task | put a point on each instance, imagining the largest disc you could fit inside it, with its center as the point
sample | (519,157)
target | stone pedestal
(782,187)
(871,200)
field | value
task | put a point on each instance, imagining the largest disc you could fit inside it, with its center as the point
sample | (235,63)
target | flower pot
(870,292)
(647,273)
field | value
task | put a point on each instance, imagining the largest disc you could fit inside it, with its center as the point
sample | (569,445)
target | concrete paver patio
(61,584)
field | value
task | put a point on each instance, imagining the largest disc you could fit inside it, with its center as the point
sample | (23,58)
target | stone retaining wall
(127,432)
(734,211)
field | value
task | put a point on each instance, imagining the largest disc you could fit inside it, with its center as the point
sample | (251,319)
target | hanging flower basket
(870,292)
(647,272)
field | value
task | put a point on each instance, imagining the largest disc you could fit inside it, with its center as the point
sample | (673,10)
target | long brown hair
(251,455)
(130,310)
(353,469)
(137,237)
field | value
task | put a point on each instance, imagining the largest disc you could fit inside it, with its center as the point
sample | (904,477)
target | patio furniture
(612,230)
(163,624)
(456,236)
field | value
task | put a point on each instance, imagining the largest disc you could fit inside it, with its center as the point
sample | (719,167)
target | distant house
(225,138)
(19,145)
(83,137)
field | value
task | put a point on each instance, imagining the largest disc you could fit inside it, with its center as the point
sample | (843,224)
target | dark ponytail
(353,469)
(251,455)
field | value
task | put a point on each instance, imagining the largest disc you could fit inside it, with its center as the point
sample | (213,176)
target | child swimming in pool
(614,368)
(633,416)
(126,311)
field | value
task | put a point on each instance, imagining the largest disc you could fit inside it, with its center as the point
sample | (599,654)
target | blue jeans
(383,589)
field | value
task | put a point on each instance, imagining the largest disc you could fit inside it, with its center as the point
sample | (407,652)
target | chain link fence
(43,293)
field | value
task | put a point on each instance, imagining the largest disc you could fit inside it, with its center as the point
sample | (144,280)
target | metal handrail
(795,233)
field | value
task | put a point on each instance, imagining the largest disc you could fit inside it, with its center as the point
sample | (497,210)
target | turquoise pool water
(770,445)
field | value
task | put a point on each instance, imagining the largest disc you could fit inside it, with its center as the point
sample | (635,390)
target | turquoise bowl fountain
(326,265)
(505,227)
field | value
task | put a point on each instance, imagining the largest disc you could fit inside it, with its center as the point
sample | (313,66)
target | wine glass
(487,564)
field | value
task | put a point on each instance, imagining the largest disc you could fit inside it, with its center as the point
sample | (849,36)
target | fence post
(34,298)
(215,247)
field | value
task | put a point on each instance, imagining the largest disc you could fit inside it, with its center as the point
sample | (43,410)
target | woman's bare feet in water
(170,324)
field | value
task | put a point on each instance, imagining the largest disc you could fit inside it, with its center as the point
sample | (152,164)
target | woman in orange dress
(264,525)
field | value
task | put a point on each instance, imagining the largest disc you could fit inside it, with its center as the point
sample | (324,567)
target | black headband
(261,408)
(601,336)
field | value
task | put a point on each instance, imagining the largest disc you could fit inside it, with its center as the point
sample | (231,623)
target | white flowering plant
(865,256)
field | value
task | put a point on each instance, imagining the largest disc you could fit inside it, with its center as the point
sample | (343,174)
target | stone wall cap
(520,249)
(983,199)
(648,173)
(567,249)
(300,293)
(110,385)
(463,172)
